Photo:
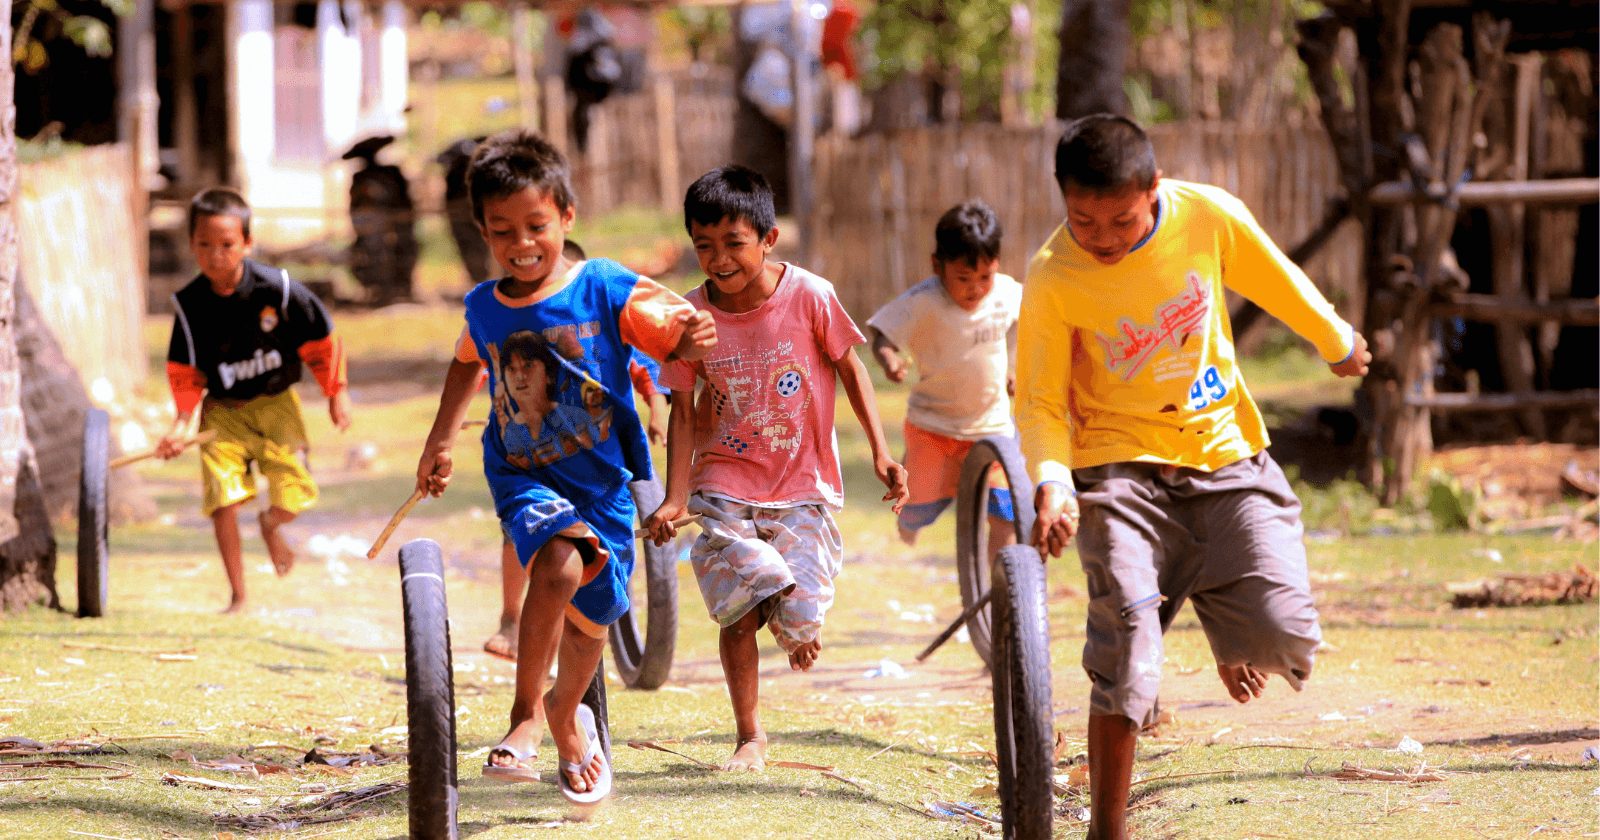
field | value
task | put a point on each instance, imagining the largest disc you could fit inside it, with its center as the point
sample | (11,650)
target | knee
(557,568)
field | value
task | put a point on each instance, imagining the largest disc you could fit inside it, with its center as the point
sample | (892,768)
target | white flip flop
(522,771)
(602,785)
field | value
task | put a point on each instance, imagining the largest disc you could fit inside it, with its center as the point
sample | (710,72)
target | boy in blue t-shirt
(563,438)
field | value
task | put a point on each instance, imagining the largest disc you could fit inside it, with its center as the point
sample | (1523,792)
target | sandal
(522,771)
(602,785)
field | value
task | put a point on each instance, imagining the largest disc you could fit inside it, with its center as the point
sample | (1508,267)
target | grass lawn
(1502,702)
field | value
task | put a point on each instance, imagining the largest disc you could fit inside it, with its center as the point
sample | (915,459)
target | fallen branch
(334,807)
(62,763)
(124,648)
(652,745)
(1353,773)
(176,779)
(1575,587)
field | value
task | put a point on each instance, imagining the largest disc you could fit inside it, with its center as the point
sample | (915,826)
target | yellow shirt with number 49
(1135,361)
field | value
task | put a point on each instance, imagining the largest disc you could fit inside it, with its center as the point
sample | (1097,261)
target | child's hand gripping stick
(203,438)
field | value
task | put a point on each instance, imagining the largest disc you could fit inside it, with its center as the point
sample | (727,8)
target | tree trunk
(27,547)
(1094,39)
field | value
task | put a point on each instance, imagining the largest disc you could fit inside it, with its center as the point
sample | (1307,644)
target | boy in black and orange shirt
(241,332)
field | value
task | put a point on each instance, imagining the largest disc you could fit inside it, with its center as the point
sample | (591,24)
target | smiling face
(734,258)
(525,231)
(1109,224)
(967,282)
(220,244)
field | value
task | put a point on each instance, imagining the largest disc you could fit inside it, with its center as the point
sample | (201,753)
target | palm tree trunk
(1094,39)
(27,547)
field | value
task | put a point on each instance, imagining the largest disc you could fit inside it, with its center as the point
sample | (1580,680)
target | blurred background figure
(384,254)
(458,209)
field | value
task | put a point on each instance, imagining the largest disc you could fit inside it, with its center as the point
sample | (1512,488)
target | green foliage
(964,40)
(699,28)
(45,20)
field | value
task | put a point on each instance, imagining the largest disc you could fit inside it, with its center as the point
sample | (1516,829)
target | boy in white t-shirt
(960,327)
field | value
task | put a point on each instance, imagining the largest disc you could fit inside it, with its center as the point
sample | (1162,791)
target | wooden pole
(1582,312)
(802,130)
(1532,400)
(186,123)
(668,166)
(522,64)
(1484,193)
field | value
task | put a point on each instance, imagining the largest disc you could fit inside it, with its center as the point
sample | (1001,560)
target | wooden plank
(1527,400)
(1480,193)
(1581,312)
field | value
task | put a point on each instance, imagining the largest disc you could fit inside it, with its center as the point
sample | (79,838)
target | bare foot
(277,547)
(1242,681)
(804,656)
(234,607)
(907,536)
(504,642)
(751,755)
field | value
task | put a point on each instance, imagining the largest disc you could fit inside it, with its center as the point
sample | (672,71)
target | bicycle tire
(430,694)
(972,493)
(1022,706)
(647,663)
(94,552)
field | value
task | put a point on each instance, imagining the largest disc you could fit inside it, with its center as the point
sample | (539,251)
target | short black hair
(730,192)
(219,201)
(969,231)
(1105,153)
(532,347)
(515,160)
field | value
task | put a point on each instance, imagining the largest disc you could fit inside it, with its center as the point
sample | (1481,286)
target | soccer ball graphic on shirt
(788,383)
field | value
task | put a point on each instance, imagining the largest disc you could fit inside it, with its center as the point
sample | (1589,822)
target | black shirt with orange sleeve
(251,343)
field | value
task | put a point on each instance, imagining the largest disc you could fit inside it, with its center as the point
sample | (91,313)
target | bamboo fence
(879,195)
(80,255)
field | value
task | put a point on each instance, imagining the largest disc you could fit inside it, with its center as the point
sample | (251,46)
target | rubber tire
(647,664)
(1023,716)
(972,491)
(430,693)
(595,698)
(94,553)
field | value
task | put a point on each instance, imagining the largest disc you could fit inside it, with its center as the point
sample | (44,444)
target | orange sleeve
(325,357)
(642,383)
(652,320)
(187,384)
(466,350)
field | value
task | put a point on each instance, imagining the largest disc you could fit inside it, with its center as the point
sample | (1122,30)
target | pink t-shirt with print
(764,422)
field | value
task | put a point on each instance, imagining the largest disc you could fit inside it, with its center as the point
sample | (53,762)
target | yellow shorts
(266,431)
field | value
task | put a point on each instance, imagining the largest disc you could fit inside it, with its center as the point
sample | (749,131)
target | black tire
(1022,710)
(94,553)
(647,663)
(595,699)
(972,496)
(430,693)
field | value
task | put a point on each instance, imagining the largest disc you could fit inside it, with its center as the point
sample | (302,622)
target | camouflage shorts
(746,554)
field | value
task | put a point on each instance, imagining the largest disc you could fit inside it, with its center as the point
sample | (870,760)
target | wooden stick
(692,519)
(394,522)
(966,616)
(204,437)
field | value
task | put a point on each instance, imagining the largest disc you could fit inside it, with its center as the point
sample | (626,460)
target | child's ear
(938,264)
(568,216)
(483,230)
(770,239)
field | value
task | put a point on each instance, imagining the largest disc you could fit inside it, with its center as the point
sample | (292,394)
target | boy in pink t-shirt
(758,448)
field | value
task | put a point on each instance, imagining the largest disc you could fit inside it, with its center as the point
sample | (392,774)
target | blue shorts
(917,517)
(531,514)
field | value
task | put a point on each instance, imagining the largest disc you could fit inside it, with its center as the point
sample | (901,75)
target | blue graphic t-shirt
(562,403)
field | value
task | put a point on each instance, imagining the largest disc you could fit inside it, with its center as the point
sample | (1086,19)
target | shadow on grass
(1522,739)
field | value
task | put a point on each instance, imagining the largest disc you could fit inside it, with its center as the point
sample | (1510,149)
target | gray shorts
(1230,540)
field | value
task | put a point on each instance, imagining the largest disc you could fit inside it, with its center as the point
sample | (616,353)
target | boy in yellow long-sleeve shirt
(1131,408)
